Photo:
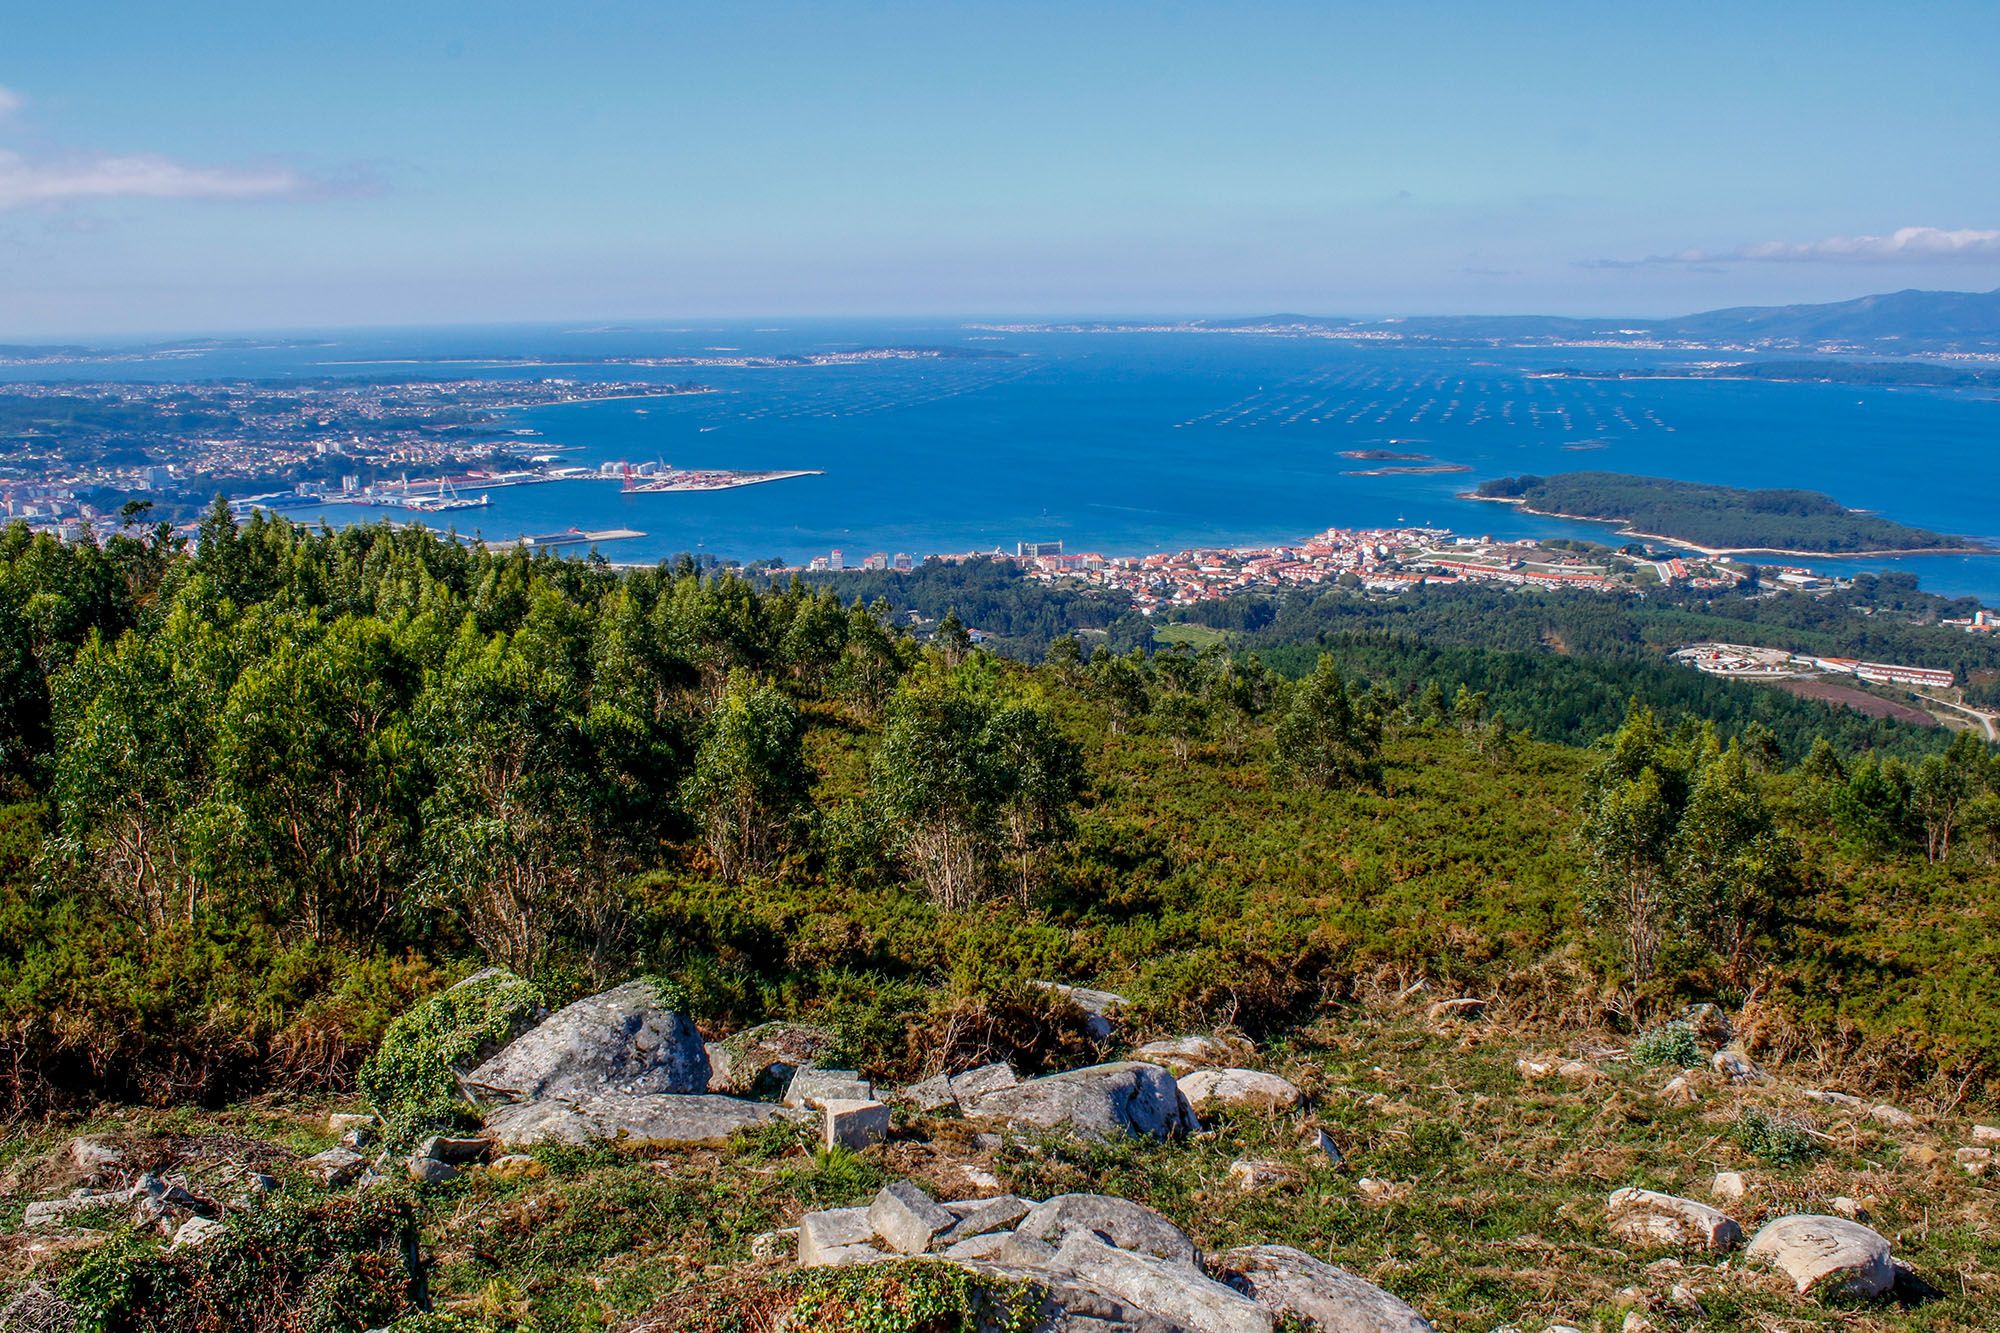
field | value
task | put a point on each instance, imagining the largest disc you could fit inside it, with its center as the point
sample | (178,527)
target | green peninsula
(1719,518)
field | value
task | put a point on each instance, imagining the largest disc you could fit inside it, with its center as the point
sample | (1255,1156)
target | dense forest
(267,789)
(267,796)
(1717,517)
(1559,665)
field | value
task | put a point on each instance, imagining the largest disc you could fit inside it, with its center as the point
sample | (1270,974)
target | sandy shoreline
(1628,531)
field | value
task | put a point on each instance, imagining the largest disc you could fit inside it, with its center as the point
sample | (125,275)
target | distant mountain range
(1897,322)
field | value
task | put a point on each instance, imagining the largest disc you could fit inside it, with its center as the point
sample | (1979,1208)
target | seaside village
(1385,560)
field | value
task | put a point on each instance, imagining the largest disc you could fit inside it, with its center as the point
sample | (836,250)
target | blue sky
(254,165)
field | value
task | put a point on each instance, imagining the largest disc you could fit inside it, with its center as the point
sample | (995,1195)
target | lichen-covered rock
(1128,1225)
(813,1086)
(635,1119)
(759,1061)
(1285,1281)
(1827,1255)
(334,1167)
(621,1041)
(1209,1090)
(1647,1217)
(1129,1097)
(1177,1291)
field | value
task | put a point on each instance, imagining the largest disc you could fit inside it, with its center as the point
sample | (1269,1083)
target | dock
(566,537)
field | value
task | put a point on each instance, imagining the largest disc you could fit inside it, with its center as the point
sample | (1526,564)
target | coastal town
(1378,560)
(76,452)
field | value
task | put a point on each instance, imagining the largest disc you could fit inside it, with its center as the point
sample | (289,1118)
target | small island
(1721,520)
(1383,456)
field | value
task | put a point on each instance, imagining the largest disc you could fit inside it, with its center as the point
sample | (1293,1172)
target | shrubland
(267,794)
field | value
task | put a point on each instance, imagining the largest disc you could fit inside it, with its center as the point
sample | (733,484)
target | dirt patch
(1860,700)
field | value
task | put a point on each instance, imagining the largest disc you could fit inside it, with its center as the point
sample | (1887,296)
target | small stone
(1463,1007)
(1985,1134)
(1376,1191)
(1238,1090)
(1252,1177)
(1532,1069)
(1316,1140)
(357,1138)
(334,1167)
(1636,1323)
(1922,1154)
(988,1143)
(196,1230)
(905,1219)
(1973,1161)
(1893,1116)
(1576,1071)
(342,1121)
(1825,1098)
(455,1151)
(517,1166)
(1736,1066)
(979,1179)
(1685,1299)
(1729,1186)
(1849,1208)
(771,1247)
(430,1171)
(812,1086)
(1679,1092)
(95,1157)
(854,1123)
(1648,1217)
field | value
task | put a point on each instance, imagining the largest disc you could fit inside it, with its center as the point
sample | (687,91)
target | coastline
(1626,530)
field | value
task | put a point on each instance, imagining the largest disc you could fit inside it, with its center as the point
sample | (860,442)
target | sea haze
(1126,443)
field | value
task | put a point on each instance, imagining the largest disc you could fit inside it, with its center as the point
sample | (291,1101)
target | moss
(412,1079)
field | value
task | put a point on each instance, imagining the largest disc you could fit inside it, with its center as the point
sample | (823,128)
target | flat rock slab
(1829,1255)
(634,1118)
(1120,1222)
(1101,1101)
(621,1041)
(812,1086)
(853,1124)
(1285,1281)
(1647,1217)
(1177,1291)
(1238,1090)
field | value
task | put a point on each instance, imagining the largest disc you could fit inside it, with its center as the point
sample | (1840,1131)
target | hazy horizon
(210,168)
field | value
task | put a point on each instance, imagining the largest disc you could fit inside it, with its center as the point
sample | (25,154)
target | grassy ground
(1485,1208)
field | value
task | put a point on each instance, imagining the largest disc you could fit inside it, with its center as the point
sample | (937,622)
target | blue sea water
(1129,443)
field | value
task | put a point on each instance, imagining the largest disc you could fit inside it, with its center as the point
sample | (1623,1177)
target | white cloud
(24,183)
(1904,245)
(10,101)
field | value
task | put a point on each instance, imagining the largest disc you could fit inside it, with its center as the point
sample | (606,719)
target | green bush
(910,1298)
(412,1081)
(1671,1044)
(302,1265)
(1779,1141)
